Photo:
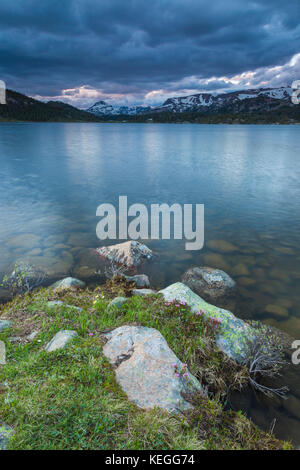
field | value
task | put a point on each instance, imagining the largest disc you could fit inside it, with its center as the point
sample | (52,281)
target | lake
(55,175)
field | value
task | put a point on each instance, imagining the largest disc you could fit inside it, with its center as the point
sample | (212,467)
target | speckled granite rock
(147,369)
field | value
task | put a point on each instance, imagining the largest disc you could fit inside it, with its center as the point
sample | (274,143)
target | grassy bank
(69,399)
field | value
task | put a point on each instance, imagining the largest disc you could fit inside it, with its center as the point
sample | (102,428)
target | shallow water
(54,175)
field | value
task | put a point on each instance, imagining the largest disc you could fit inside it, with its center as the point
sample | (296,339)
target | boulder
(143,292)
(130,254)
(147,369)
(60,340)
(117,302)
(2,353)
(4,324)
(233,335)
(6,432)
(140,280)
(213,285)
(67,283)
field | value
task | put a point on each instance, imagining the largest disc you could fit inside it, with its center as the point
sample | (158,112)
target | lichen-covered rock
(4,324)
(147,369)
(117,302)
(213,285)
(140,280)
(233,335)
(60,340)
(6,432)
(67,283)
(130,254)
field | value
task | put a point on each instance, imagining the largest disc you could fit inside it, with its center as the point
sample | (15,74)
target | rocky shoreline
(134,328)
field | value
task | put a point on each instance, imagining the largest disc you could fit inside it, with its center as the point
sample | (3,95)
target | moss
(69,399)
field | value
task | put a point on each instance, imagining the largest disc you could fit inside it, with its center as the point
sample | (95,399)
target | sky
(144,51)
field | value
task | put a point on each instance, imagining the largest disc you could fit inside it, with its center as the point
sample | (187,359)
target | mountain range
(263,105)
(252,100)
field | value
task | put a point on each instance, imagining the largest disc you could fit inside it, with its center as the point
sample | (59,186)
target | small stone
(2,353)
(4,324)
(53,304)
(117,302)
(143,292)
(60,340)
(6,432)
(15,339)
(140,280)
(277,310)
(67,283)
(32,336)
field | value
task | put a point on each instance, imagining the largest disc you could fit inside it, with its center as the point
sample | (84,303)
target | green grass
(69,399)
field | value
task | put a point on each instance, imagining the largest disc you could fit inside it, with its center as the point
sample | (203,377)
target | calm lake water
(54,175)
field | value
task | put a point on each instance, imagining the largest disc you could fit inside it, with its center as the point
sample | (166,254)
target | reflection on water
(53,177)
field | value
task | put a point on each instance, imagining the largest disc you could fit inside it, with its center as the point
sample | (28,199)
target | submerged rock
(67,283)
(277,310)
(147,369)
(60,340)
(6,432)
(233,335)
(130,253)
(213,285)
(222,246)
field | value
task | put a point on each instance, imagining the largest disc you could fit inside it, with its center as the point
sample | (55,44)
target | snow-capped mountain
(102,108)
(253,100)
(237,101)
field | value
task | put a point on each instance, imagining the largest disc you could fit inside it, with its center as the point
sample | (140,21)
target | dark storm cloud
(135,46)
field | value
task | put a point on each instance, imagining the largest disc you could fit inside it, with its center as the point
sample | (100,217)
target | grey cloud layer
(140,45)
